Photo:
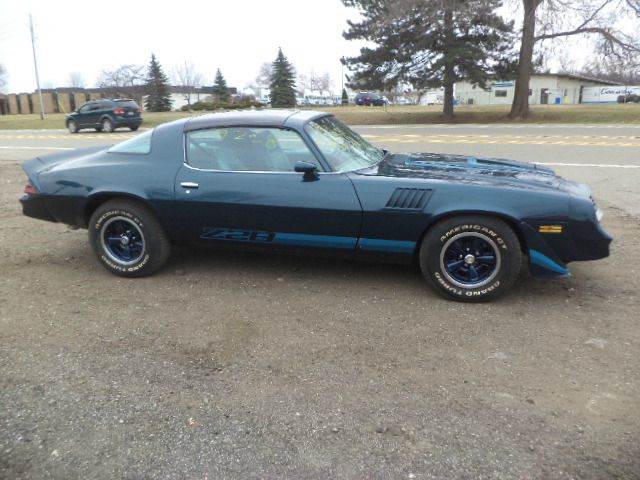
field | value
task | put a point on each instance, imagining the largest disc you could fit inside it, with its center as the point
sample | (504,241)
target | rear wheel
(99,129)
(107,125)
(471,258)
(128,239)
(72,126)
(134,128)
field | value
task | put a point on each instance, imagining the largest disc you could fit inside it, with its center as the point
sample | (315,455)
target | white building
(544,89)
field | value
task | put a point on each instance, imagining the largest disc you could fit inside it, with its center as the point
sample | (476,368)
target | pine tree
(157,88)
(345,97)
(282,84)
(220,88)
(428,43)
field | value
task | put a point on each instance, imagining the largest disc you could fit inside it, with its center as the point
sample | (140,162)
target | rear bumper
(127,121)
(33,206)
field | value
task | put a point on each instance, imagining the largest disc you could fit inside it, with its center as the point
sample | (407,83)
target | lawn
(396,115)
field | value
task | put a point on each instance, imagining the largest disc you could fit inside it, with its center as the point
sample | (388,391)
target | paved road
(245,366)
(605,156)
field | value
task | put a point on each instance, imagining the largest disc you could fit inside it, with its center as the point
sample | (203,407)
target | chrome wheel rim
(122,240)
(470,260)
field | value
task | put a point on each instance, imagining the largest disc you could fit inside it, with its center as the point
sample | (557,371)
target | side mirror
(309,169)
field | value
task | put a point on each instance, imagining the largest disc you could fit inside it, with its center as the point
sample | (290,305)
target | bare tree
(75,80)
(126,80)
(186,75)
(264,75)
(322,82)
(547,20)
(313,81)
(3,77)
(624,73)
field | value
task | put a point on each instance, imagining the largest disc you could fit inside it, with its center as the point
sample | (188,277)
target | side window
(140,144)
(85,108)
(247,149)
(94,107)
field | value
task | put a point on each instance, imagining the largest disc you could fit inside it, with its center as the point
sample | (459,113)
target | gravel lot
(244,366)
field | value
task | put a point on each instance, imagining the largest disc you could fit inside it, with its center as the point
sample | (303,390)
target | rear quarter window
(140,144)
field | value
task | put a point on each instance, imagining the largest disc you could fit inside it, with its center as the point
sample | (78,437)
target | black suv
(105,115)
(370,99)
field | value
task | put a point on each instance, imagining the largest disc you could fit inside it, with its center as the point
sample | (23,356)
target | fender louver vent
(408,199)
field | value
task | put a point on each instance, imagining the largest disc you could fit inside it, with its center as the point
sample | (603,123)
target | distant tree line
(430,43)
(153,83)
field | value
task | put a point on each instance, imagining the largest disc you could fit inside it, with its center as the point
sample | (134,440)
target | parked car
(629,98)
(105,115)
(301,181)
(370,99)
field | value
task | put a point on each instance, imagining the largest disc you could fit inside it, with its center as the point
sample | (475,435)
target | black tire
(134,128)
(447,240)
(98,129)
(138,221)
(72,126)
(107,125)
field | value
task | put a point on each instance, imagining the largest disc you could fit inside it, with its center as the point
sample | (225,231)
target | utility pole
(35,66)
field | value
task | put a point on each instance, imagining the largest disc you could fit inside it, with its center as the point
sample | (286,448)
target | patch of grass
(398,115)
(606,114)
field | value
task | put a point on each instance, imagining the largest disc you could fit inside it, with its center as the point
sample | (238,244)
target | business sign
(608,94)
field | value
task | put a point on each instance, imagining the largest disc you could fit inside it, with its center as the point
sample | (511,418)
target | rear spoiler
(34,167)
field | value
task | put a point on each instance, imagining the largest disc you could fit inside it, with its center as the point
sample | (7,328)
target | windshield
(343,148)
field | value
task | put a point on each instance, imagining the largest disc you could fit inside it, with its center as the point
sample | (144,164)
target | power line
(35,66)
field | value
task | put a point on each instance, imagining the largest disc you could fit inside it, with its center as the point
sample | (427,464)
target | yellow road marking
(580,140)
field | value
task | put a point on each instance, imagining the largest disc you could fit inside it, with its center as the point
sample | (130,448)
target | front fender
(543,260)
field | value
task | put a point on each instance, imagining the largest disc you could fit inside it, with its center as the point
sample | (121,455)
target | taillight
(119,111)
(30,189)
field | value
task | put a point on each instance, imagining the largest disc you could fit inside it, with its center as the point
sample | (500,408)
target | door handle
(189,185)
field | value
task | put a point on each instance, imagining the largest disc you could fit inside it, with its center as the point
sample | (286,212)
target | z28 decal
(213,233)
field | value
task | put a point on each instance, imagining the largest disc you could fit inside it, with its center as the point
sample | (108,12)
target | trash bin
(558,100)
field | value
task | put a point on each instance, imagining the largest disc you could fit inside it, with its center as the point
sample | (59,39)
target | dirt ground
(244,366)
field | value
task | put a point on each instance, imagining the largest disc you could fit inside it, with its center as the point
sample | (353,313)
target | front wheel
(128,239)
(471,258)
(133,128)
(72,126)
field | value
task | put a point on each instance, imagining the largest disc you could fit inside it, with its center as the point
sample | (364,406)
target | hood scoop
(426,161)
(408,199)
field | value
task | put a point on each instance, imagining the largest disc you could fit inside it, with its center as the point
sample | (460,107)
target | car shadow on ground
(204,261)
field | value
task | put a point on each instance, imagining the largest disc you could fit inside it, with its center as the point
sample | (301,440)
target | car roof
(262,118)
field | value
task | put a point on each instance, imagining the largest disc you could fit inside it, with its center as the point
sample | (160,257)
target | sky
(236,36)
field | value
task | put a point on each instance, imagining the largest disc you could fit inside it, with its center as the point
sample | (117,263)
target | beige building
(544,89)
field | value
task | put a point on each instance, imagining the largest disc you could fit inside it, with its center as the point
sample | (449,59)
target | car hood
(468,169)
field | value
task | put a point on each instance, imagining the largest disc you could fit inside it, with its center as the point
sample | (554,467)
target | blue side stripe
(543,261)
(396,246)
(325,241)
(306,240)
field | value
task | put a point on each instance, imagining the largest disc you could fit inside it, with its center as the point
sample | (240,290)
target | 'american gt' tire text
(471,258)
(128,239)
